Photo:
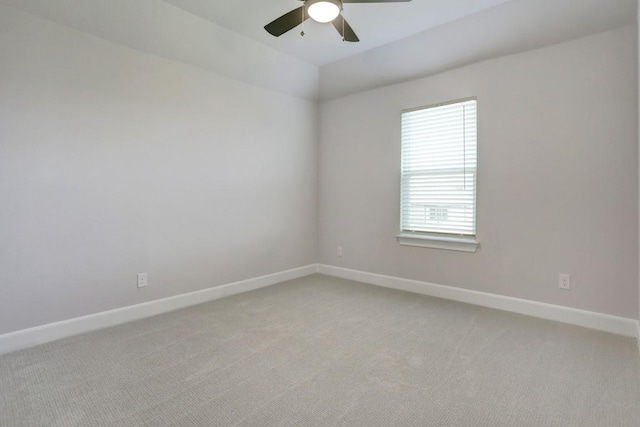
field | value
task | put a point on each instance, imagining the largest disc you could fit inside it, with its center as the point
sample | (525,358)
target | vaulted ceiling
(399,41)
(375,24)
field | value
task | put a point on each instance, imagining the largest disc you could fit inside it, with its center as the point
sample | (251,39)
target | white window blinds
(439,169)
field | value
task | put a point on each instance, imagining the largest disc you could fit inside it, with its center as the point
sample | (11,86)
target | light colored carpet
(321,351)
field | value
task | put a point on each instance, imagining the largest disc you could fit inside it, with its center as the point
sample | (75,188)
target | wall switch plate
(143,280)
(564,281)
(339,252)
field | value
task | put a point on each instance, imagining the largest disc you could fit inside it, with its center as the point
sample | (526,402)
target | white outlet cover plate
(143,280)
(564,281)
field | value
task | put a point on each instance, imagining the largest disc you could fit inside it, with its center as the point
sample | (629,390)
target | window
(439,176)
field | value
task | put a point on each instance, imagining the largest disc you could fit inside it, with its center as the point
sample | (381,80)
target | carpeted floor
(321,351)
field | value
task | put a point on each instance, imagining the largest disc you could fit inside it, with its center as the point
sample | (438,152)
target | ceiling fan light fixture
(323,10)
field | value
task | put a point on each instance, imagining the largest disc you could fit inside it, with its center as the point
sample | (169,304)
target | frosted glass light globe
(323,11)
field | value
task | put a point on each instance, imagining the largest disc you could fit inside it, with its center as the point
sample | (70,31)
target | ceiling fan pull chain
(304,23)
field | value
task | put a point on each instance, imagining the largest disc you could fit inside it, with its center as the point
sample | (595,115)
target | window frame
(446,241)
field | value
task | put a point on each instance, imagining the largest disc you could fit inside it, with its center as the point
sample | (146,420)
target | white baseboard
(587,319)
(53,331)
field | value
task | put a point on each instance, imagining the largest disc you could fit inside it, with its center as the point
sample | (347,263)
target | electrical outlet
(143,280)
(339,252)
(564,281)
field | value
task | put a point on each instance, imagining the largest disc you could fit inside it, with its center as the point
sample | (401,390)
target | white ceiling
(375,24)
(163,30)
(515,26)
(399,41)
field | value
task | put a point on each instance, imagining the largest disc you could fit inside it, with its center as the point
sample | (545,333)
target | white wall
(558,186)
(115,162)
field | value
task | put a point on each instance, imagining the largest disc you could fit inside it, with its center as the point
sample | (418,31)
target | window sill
(439,242)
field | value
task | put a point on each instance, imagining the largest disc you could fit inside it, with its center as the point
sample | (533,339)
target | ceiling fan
(322,11)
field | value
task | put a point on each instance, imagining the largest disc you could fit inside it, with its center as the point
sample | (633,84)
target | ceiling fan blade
(342,25)
(374,1)
(287,21)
